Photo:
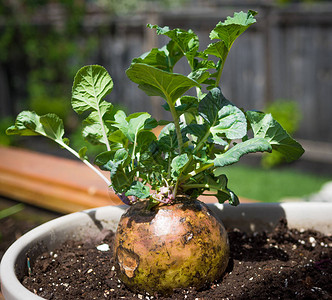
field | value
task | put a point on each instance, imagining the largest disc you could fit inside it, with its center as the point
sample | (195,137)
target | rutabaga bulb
(171,246)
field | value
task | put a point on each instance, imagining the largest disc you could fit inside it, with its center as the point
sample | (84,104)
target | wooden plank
(51,182)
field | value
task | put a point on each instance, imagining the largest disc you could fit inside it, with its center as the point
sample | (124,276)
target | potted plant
(167,239)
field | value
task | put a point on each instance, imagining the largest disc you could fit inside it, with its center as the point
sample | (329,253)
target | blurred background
(282,65)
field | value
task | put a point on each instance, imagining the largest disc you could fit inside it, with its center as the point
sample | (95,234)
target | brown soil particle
(284,264)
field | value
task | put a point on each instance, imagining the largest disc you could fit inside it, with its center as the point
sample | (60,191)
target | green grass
(272,185)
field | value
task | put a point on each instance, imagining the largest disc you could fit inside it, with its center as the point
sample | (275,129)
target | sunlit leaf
(29,123)
(234,154)
(155,82)
(264,126)
(229,30)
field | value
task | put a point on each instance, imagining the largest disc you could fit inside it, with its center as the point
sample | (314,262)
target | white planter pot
(94,224)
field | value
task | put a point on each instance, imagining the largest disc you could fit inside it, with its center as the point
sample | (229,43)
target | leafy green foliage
(157,82)
(207,133)
(29,123)
(264,126)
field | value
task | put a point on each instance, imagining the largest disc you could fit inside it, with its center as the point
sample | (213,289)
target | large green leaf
(232,123)
(264,126)
(91,84)
(234,154)
(155,82)
(229,30)
(223,118)
(29,123)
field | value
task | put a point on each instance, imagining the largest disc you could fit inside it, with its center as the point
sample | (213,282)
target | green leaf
(110,160)
(211,104)
(223,194)
(139,190)
(218,49)
(216,184)
(234,154)
(91,84)
(115,163)
(198,130)
(186,41)
(118,137)
(93,134)
(144,139)
(29,123)
(178,163)
(156,58)
(199,76)
(264,126)
(229,196)
(229,30)
(232,123)
(155,82)
(167,140)
(132,125)
(223,118)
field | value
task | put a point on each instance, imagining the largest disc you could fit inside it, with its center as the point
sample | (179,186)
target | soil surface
(285,264)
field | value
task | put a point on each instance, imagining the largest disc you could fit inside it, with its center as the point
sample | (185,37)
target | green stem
(221,69)
(195,172)
(87,163)
(176,124)
(195,186)
(198,148)
(201,143)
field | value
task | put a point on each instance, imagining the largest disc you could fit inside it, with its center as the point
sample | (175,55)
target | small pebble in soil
(103,247)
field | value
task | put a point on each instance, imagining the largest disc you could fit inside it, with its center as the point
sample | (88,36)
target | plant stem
(200,145)
(176,124)
(195,172)
(221,69)
(87,163)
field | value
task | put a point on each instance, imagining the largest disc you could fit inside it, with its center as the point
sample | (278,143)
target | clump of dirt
(284,264)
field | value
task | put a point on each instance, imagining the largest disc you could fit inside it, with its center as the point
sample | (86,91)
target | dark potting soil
(284,264)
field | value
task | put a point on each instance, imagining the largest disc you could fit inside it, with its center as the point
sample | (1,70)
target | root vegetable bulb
(171,246)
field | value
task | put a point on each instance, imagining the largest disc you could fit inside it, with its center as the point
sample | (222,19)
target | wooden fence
(287,54)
